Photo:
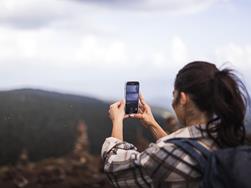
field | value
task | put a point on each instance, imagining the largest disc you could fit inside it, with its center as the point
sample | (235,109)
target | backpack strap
(191,147)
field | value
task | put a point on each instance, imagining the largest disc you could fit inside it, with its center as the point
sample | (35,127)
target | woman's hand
(144,114)
(117,114)
(117,111)
(146,117)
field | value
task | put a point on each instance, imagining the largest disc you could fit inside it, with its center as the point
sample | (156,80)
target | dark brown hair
(220,94)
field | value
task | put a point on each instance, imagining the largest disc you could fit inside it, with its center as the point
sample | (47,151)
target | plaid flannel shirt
(162,164)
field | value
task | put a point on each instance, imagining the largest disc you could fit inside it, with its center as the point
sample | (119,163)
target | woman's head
(217,94)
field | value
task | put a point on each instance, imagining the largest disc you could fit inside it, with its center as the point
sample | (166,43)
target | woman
(209,102)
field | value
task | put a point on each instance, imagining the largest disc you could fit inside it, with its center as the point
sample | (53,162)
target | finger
(140,104)
(126,116)
(145,105)
(142,107)
(142,100)
(116,104)
(140,111)
(137,116)
(122,104)
(141,97)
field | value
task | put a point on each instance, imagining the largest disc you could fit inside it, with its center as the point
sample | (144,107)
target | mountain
(44,123)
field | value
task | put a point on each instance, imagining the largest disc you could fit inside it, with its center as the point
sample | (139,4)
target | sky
(92,47)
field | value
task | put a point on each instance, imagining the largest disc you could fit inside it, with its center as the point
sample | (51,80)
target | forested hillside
(44,123)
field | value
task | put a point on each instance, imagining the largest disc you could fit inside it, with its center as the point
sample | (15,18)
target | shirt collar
(194,131)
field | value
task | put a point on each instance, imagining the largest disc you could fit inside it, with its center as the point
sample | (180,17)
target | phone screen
(132,97)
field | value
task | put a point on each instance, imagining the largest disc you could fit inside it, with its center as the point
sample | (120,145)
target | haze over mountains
(44,123)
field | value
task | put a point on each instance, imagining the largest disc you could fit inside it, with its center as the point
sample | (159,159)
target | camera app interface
(132,93)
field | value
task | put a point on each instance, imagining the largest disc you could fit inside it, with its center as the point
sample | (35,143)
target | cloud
(238,55)
(41,13)
(34,13)
(174,55)
(180,6)
(24,44)
(61,49)
(179,50)
(94,51)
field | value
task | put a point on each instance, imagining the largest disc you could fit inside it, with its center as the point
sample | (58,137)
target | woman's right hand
(144,113)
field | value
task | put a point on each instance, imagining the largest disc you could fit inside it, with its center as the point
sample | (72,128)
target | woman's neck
(196,117)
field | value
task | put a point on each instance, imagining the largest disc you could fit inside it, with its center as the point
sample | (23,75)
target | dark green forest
(44,123)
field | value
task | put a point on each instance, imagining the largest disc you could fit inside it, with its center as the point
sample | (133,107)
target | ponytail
(219,93)
(229,102)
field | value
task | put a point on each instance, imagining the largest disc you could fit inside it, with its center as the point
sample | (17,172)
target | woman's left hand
(117,111)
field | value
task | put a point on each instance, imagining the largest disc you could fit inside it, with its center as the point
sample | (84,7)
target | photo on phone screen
(132,97)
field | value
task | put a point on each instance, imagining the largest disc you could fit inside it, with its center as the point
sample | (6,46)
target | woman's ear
(183,98)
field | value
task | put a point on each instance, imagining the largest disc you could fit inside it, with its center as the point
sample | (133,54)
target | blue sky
(93,47)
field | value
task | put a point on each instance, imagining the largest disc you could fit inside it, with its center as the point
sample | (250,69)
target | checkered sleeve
(126,167)
(122,166)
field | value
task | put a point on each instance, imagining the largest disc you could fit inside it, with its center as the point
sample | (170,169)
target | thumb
(122,104)
(137,116)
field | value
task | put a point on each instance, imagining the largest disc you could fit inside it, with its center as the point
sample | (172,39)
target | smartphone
(132,97)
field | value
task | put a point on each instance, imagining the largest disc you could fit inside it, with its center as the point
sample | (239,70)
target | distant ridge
(46,93)
(44,123)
